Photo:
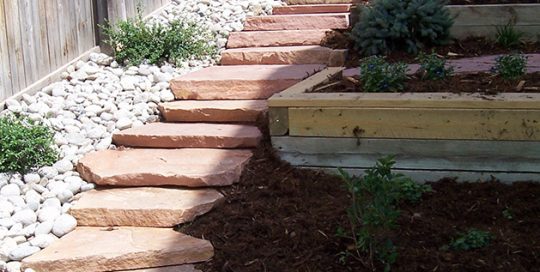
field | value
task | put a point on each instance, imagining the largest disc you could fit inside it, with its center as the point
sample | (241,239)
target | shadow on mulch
(279,218)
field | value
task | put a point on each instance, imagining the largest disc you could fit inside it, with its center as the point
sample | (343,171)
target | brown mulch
(485,83)
(470,47)
(279,218)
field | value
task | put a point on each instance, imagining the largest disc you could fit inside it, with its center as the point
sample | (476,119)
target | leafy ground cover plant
(388,25)
(508,37)
(373,212)
(510,67)
(377,75)
(433,67)
(135,41)
(472,239)
(25,144)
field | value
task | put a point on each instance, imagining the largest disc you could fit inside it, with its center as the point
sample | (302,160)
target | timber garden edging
(433,135)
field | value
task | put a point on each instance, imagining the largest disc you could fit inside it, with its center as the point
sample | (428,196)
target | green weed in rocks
(25,144)
(433,67)
(135,41)
(377,75)
(373,212)
(510,67)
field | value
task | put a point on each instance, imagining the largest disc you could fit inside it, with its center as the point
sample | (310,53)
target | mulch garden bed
(485,83)
(279,218)
(456,49)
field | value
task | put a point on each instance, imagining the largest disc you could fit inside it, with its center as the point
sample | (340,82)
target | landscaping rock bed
(95,99)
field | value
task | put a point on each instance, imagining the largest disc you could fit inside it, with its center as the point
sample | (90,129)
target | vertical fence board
(42,46)
(14,44)
(5,78)
(29,49)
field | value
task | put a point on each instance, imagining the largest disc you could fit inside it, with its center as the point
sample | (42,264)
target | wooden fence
(37,37)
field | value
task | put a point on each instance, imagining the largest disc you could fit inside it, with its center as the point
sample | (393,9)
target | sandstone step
(309,54)
(240,82)
(191,167)
(314,2)
(88,249)
(276,38)
(176,268)
(213,110)
(307,9)
(298,22)
(142,206)
(189,135)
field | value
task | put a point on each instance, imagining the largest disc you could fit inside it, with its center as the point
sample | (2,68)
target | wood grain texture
(465,124)
(462,176)
(410,147)
(278,121)
(409,100)
(446,163)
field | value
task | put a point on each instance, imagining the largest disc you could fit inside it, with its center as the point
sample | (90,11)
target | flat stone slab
(276,38)
(308,54)
(88,249)
(298,22)
(176,268)
(191,167)
(142,206)
(190,135)
(213,110)
(240,82)
(307,9)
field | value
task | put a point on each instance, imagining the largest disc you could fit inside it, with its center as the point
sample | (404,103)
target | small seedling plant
(377,75)
(373,212)
(25,144)
(510,67)
(472,239)
(434,67)
(508,37)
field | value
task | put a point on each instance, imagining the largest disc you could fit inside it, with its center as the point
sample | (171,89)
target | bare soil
(279,218)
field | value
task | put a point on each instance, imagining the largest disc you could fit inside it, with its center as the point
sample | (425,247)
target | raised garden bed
(433,135)
(482,20)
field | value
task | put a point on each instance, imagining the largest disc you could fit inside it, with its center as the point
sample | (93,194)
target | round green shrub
(25,144)
(389,25)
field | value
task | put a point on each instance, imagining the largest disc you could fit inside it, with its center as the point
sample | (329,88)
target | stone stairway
(162,174)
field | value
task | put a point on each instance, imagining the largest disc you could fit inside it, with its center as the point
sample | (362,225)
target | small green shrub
(510,67)
(508,37)
(388,25)
(25,144)
(507,213)
(434,67)
(374,212)
(377,75)
(135,41)
(473,239)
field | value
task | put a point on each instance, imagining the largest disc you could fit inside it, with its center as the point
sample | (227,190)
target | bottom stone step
(100,249)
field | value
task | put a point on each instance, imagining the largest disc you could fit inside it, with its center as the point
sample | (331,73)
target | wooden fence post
(101,18)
